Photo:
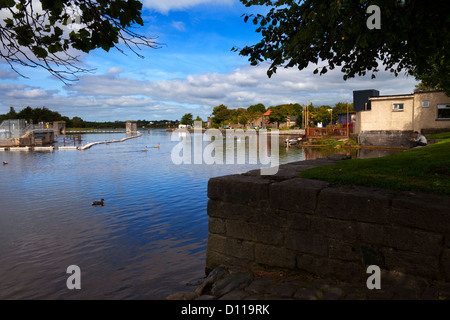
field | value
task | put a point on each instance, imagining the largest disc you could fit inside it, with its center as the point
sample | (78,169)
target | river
(148,240)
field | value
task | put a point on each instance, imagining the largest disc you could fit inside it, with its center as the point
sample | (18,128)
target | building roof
(408,95)
(268,113)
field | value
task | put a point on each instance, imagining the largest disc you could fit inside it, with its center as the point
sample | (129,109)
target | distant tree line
(222,115)
(37,115)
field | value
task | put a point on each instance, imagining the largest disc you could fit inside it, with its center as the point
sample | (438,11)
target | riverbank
(424,169)
(234,283)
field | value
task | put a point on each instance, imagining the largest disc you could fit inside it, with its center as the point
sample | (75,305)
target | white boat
(293,141)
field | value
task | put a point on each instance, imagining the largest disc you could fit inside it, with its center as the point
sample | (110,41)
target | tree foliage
(224,116)
(259,107)
(414,37)
(52,33)
(36,115)
(220,115)
(187,119)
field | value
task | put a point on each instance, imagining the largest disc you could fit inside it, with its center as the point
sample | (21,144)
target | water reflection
(148,239)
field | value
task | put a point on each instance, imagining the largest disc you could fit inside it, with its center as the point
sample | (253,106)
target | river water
(148,240)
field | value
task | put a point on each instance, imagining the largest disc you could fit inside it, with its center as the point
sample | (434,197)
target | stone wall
(395,139)
(281,221)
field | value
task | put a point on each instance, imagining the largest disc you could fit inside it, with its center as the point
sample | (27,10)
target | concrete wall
(414,116)
(285,222)
(388,139)
(31,138)
(383,117)
(59,127)
(425,118)
(131,126)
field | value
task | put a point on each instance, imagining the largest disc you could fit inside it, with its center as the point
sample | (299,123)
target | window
(398,106)
(444,111)
(425,104)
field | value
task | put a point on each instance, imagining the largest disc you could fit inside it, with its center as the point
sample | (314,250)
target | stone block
(413,240)
(215,259)
(341,250)
(422,211)
(446,264)
(286,172)
(301,221)
(266,216)
(307,242)
(313,264)
(231,247)
(412,263)
(241,189)
(254,232)
(299,195)
(339,229)
(350,271)
(273,256)
(217,225)
(355,203)
(372,255)
(229,210)
(371,233)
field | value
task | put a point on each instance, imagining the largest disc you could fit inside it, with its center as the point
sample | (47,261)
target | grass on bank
(440,136)
(425,169)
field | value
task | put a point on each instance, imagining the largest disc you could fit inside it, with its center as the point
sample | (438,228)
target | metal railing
(329,131)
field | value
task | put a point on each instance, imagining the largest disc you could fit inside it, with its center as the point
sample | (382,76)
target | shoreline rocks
(235,283)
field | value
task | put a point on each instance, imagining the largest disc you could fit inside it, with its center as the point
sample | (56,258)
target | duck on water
(99,203)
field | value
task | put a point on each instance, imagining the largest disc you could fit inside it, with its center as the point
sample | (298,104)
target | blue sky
(193,72)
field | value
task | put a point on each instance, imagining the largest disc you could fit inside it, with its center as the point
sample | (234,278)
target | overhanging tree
(414,37)
(51,34)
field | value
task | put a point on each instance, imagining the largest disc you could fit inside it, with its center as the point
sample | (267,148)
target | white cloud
(179,25)
(108,97)
(115,70)
(168,5)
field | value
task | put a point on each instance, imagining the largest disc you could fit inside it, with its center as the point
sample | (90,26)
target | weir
(90,145)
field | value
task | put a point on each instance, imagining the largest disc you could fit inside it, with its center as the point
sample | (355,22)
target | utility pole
(307,118)
(348,123)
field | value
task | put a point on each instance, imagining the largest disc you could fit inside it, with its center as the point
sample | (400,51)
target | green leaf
(40,52)
(55,48)
(7,3)
(9,22)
